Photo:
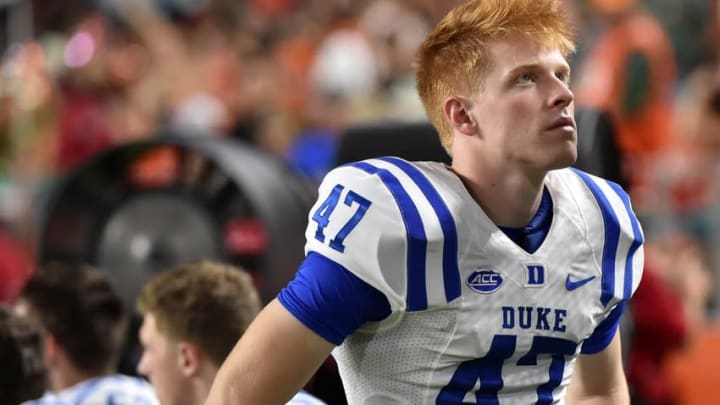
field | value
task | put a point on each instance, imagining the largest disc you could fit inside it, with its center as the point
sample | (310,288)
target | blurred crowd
(99,73)
(289,76)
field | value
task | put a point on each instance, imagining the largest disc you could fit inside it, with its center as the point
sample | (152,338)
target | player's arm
(274,359)
(599,378)
(338,288)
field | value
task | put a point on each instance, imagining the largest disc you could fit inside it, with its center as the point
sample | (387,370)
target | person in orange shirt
(693,374)
(630,72)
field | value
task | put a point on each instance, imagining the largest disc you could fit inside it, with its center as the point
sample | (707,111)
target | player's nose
(561,95)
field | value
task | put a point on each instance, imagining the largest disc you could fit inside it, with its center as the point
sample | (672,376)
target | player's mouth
(562,123)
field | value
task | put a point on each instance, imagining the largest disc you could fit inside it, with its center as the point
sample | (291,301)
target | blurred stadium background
(135,134)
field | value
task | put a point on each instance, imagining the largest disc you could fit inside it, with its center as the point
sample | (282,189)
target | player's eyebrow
(563,68)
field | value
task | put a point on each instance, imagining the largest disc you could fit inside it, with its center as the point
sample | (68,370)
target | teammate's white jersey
(475,318)
(304,398)
(125,390)
(114,389)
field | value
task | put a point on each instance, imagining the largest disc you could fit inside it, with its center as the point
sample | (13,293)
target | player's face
(160,364)
(525,107)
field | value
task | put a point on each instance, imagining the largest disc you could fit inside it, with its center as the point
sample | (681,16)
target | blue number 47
(322,215)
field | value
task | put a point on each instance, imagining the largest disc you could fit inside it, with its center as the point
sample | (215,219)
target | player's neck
(508,199)
(201,382)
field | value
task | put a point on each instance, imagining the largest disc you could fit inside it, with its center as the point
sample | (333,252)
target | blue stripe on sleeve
(612,238)
(637,239)
(330,300)
(451,272)
(416,238)
(605,331)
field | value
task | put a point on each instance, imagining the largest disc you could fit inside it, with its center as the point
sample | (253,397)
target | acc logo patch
(484,281)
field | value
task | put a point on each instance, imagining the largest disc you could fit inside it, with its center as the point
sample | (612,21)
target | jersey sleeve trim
(416,238)
(332,301)
(636,243)
(612,238)
(605,332)
(451,272)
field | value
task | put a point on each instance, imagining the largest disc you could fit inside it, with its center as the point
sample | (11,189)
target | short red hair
(454,56)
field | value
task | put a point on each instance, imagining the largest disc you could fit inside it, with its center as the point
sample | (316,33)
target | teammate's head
(192,317)
(454,57)
(79,308)
(24,375)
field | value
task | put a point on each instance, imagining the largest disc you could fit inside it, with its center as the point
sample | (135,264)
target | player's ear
(457,112)
(189,358)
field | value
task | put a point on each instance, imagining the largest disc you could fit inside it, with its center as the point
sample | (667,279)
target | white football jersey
(116,389)
(304,398)
(475,318)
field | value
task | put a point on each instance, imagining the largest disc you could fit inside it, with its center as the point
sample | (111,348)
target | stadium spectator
(630,72)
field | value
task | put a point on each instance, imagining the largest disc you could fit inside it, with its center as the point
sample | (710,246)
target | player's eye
(563,77)
(525,78)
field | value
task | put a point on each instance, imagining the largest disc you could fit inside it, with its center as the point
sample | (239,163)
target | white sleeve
(356,223)
(621,255)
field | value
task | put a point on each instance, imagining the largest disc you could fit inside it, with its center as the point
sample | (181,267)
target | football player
(499,279)
(192,317)
(84,327)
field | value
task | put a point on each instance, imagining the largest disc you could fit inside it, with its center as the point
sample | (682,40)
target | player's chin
(562,158)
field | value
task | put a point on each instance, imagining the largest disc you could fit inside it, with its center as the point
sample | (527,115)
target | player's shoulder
(123,380)
(387,169)
(47,399)
(604,211)
(599,206)
(592,194)
(575,178)
(375,216)
(116,388)
(126,389)
(389,180)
